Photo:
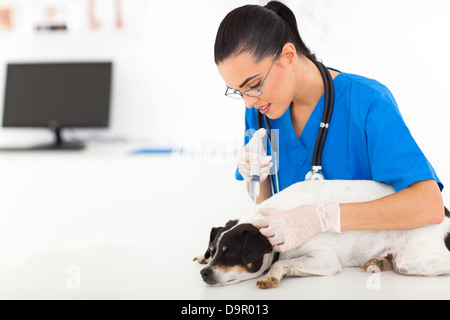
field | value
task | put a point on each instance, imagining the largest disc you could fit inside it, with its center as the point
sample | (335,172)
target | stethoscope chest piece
(314,175)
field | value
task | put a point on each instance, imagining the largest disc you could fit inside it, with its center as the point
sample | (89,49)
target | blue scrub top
(367,139)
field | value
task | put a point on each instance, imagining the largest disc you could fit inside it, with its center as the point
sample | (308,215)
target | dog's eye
(230,253)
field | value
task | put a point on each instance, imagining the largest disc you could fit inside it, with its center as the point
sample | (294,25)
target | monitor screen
(57,95)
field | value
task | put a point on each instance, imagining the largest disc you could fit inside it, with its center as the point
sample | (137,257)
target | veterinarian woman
(261,57)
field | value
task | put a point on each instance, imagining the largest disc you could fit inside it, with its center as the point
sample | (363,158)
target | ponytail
(289,18)
(261,31)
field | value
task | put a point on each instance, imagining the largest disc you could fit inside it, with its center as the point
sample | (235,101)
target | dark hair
(259,30)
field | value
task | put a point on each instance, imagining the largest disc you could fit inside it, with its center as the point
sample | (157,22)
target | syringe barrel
(255,170)
(254,186)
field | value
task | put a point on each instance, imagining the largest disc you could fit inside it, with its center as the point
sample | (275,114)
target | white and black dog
(238,251)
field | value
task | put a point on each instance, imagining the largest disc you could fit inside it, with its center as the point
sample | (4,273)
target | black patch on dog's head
(243,246)
(214,236)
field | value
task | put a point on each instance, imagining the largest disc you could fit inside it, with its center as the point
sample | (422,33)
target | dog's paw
(377,265)
(268,282)
(372,268)
(201,259)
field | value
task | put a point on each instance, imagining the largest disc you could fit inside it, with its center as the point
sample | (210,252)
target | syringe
(254,180)
(255,171)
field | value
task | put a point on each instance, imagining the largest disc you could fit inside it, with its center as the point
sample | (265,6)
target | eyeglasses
(236,94)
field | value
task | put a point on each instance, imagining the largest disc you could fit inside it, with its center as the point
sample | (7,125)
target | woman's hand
(248,154)
(289,229)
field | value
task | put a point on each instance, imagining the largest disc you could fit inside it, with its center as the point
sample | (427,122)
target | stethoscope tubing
(326,116)
(321,136)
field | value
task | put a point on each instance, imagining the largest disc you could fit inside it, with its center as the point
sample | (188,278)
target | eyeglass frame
(241,94)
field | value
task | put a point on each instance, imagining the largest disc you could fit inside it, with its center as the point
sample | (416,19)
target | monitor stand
(58,144)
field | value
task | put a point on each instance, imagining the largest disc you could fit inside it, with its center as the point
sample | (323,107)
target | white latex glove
(289,229)
(248,154)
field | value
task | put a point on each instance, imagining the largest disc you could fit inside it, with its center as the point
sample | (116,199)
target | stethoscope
(316,167)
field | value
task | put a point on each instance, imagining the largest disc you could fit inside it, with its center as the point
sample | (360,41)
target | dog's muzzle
(208,275)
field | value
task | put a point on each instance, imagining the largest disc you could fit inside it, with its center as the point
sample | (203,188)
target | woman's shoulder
(361,83)
(359,96)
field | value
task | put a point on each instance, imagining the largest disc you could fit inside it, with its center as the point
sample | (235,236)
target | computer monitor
(56,96)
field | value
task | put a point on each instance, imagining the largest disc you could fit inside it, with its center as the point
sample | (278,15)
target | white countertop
(104,224)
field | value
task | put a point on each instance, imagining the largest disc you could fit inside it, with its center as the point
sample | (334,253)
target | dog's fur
(239,251)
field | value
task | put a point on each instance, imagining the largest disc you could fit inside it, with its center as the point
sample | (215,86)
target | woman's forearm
(418,205)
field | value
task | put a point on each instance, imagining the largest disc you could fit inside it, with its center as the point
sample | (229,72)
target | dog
(238,251)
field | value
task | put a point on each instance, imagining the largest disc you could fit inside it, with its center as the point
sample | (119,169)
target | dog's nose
(206,274)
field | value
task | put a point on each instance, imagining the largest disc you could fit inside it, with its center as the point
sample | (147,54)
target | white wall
(166,86)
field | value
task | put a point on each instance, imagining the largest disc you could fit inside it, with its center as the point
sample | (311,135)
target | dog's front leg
(201,259)
(304,266)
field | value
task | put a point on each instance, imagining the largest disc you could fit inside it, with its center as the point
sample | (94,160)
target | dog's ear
(214,232)
(212,236)
(217,230)
(255,246)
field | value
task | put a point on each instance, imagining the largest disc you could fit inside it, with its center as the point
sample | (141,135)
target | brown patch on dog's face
(231,268)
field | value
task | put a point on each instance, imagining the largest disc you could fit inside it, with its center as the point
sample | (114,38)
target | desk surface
(104,224)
